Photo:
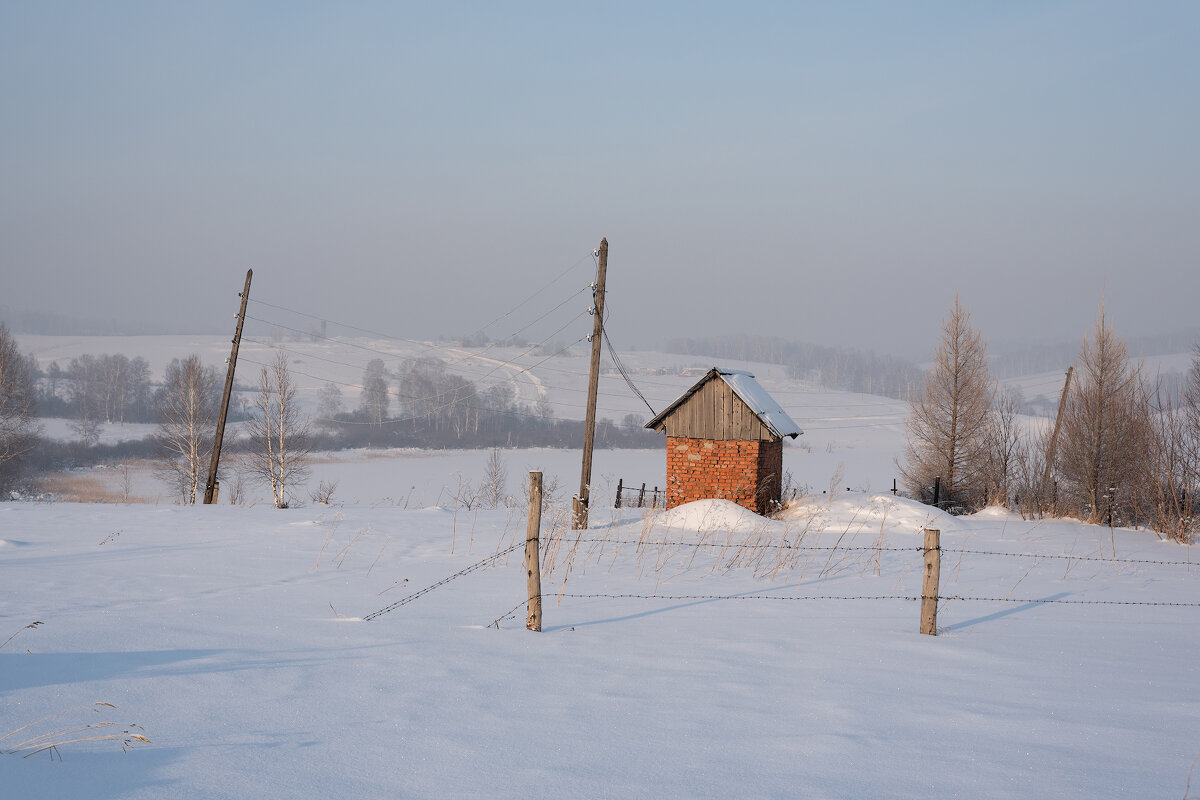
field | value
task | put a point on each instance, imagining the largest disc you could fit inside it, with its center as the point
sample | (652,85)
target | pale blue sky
(825,172)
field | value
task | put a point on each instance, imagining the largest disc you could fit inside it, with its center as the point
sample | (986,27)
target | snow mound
(994,512)
(707,515)
(861,511)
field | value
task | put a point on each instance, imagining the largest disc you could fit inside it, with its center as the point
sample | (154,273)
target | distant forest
(1059,356)
(834,367)
(863,371)
(437,408)
(434,408)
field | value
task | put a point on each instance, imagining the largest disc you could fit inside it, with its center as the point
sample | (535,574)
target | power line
(616,359)
(428,345)
(398,357)
(618,362)
(430,412)
(535,294)
(528,369)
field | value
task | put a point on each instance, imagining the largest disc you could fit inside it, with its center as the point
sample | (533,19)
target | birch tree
(280,440)
(187,407)
(950,420)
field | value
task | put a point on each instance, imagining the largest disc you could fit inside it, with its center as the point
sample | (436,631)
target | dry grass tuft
(79,488)
(29,627)
(50,741)
(771,549)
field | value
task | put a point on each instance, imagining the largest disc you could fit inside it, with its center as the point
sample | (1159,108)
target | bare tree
(374,398)
(280,441)
(1191,416)
(1104,425)
(1032,498)
(495,480)
(187,407)
(949,424)
(1005,439)
(1171,467)
(18,429)
(1169,470)
(87,429)
(329,403)
(85,374)
(115,377)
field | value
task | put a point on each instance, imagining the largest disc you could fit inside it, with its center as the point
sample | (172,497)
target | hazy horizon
(826,173)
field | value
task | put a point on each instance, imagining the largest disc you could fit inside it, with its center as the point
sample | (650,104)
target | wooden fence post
(533,569)
(620,484)
(929,586)
(642,496)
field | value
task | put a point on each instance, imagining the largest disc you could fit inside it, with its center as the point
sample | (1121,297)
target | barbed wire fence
(643,545)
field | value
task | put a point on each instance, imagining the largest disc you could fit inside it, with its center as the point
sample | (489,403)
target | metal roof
(768,411)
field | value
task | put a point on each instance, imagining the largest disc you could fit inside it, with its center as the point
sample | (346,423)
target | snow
(709,515)
(232,635)
(761,403)
(235,634)
(60,429)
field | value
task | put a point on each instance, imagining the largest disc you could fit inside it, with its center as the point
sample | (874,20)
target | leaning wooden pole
(1062,404)
(210,488)
(533,568)
(579,519)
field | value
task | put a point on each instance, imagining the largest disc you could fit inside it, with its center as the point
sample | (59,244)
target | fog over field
(822,172)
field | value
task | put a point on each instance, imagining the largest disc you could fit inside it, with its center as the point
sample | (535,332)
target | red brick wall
(748,473)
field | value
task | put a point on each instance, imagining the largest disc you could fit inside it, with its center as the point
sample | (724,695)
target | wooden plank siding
(715,412)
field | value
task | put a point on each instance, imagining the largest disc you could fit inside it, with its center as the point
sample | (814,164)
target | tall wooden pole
(1062,404)
(533,569)
(579,520)
(210,488)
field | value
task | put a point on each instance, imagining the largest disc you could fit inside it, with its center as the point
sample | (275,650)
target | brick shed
(725,441)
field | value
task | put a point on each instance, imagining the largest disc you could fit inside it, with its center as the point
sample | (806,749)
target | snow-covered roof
(743,384)
(754,395)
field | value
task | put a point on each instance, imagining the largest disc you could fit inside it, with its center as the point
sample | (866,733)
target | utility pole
(579,519)
(210,488)
(1062,404)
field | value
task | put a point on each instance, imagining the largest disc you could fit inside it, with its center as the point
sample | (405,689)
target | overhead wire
(427,345)
(517,367)
(616,359)
(513,362)
(456,401)
(812,424)
(546,286)
(528,369)
(623,370)
(392,355)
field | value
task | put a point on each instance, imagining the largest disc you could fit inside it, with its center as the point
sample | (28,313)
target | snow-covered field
(734,664)
(234,636)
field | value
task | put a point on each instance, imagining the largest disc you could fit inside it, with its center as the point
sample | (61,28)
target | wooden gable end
(714,411)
